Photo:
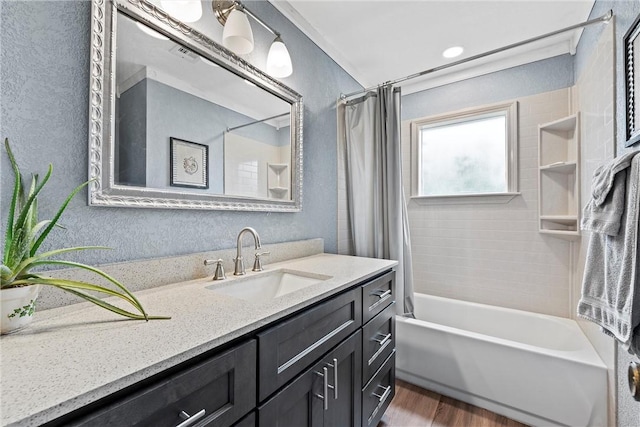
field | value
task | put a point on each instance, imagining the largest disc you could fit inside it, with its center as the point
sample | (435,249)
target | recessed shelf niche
(559,177)
(278,180)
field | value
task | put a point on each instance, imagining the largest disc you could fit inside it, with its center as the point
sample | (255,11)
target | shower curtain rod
(257,121)
(604,18)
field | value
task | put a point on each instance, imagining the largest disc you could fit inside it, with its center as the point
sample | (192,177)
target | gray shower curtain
(375,197)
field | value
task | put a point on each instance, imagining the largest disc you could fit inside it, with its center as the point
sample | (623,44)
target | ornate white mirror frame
(103,190)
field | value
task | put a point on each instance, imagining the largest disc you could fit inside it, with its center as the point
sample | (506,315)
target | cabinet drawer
(223,387)
(293,345)
(377,295)
(378,341)
(377,395)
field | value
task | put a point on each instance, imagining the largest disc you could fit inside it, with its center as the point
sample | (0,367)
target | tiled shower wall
(493,253)
(594,96)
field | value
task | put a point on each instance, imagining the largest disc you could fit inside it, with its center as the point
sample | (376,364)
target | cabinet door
(344,405)
(321,396)
(297,405)
(248,421)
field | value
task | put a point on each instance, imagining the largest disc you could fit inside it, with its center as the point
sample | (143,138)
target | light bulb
(278,60)
(183,10)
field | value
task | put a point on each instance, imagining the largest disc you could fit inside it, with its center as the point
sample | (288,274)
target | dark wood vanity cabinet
(331,364)
(363,385)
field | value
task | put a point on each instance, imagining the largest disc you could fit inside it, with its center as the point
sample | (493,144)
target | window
(468,153)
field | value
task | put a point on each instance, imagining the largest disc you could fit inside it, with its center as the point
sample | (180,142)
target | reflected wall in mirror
(169,81)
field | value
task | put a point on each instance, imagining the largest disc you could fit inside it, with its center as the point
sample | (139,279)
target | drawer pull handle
(190,419)
(380,294)
(383,396)
(325,387)
(383,340)
(334,387)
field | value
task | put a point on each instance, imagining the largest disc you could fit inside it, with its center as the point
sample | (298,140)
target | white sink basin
(269,285)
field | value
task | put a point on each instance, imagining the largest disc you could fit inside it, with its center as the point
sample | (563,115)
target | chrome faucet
(239,262)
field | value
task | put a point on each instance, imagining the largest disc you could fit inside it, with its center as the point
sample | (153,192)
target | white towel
(609,296)
(604,210)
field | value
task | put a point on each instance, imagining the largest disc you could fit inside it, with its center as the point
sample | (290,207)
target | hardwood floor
(413,406)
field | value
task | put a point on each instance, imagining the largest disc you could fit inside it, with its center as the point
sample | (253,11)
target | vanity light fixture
(453,52)
(238,37)
(184,10)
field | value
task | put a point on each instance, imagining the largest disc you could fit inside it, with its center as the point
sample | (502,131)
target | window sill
(464,199)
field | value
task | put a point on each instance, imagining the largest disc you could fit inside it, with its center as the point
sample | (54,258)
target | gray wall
(174,113)
(625,12)
(130,166)
(44,51)
(524,80)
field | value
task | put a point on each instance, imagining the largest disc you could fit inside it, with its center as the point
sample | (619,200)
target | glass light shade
(278,60)
(237,35)
(183,10)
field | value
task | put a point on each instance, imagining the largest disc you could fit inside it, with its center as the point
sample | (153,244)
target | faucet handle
(257,264)
(219,274)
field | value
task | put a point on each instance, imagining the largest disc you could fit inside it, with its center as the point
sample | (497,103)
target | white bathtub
(537,369)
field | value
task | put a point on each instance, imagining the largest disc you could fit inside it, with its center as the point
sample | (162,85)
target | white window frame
(510,110)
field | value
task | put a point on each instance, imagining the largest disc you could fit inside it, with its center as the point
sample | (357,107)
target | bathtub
(536,369)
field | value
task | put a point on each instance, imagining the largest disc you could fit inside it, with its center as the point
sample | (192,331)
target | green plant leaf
(24,209)
(18,239)
(54,220)
(113,308)
(35,229)
(5,273)
(8,238)
(77,288)
(76,285)
(32,215)
(25,265)
(97,271)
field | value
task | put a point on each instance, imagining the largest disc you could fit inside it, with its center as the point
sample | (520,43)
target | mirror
(178,121)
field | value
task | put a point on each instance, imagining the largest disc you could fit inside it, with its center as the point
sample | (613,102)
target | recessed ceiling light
(452,52)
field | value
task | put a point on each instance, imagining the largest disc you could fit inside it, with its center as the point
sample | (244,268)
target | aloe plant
(24,236)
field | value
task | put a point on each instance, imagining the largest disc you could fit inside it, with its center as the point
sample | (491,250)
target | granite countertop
(74,355)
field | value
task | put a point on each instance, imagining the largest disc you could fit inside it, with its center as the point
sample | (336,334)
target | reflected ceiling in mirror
(184,123)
